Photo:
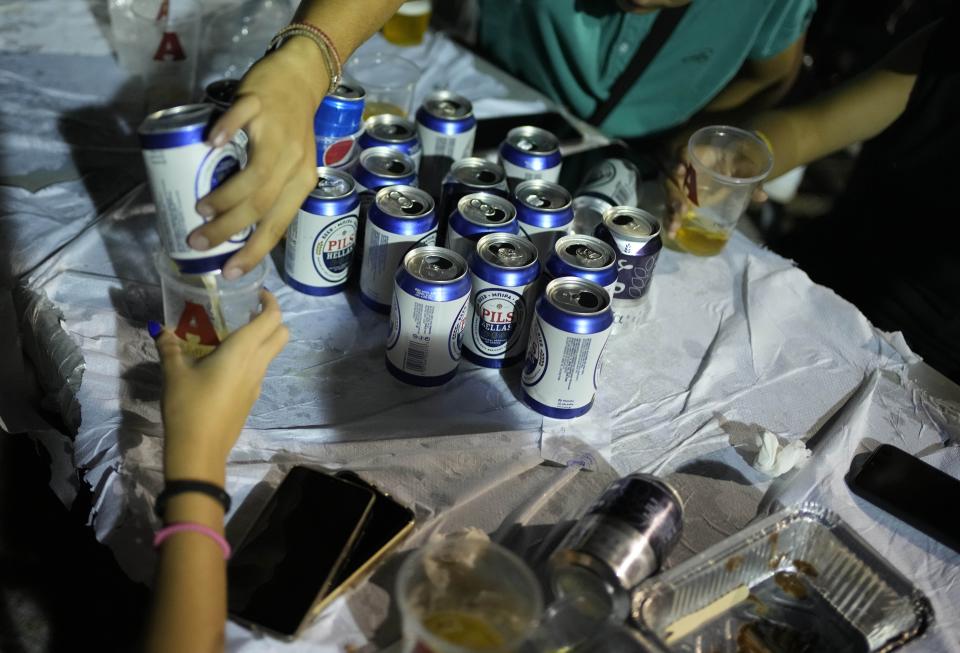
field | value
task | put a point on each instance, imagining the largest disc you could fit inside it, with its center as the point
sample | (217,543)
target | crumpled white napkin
(775,459)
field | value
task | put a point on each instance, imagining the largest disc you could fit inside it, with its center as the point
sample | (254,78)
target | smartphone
(492,131)
(289,562)
(388,525)
(912,491)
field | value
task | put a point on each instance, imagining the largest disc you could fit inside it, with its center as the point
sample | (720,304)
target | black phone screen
(387,520)
(492,131)
(911,490)
(296,548)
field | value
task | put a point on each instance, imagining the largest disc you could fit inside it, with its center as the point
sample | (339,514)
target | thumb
(171,353)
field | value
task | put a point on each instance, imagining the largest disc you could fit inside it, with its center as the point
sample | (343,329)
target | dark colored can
(337,125)
(623,539)
(544,212)
(221,93)
(430,298)
(585,257)
(479,214)
(530,153)
(470,175)
(503,272)
(387,130)
(447,129)
(635,235)
(564,354)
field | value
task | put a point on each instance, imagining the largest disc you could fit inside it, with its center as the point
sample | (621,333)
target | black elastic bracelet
(173,488)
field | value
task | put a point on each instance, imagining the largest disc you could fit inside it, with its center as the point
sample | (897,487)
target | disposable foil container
(800,580)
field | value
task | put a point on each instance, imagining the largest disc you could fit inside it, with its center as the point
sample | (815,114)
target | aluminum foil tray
(798,581)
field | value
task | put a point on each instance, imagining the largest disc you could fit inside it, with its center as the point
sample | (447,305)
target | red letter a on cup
(169,48)
(195,322)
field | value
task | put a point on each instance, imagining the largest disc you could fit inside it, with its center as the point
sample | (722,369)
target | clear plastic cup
(409,24)
(203,309)
(727,165)
(160,45)
(467,596)
(389,81)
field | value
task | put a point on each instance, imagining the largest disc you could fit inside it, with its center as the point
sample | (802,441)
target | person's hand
(680,184)
(275,104)
(205,402)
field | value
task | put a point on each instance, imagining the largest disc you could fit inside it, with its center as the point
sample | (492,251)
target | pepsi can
(430,297)
(544,212)
(503,273)
(447,128)
(623,539)
(322,238)
(585,257)
(479,214)
(610,183)
(182,168)
(337,125)
(387,130)
(400,219)
(569,331)
(635,236)
(221,93)
(470,175)
(530,153)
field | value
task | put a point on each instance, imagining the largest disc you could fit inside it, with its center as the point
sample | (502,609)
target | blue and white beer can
(380,167)
(182,168)
(470,175)
(585,257)
(338,124)
(564,355)
(479,214)
(530,153)
(544,212)
(400,219)
(504,270)
(447,128)
(322,238)
(387,130)
(430,297)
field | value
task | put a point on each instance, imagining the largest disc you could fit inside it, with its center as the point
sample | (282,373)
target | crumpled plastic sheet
(720,348)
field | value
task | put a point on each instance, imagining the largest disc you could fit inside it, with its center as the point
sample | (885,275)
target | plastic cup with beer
(202,309)
(409,24)
(726,166)
(388,80)
(465,595)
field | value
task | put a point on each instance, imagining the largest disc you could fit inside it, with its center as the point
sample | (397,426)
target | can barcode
(416,358)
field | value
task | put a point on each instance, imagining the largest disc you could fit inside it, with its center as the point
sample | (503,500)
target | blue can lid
(576,305)
(341,112)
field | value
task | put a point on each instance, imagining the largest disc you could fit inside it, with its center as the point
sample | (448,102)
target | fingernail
(205,210)
(154,329)
(218,139)
(198,241)
(232,273)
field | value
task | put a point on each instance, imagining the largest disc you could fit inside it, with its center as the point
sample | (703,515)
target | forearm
(856,112)
(190,601)
(348,22)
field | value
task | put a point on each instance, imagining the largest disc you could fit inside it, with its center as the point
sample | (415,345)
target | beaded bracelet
(331,58)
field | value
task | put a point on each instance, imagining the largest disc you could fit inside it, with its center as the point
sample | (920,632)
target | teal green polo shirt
(575,55)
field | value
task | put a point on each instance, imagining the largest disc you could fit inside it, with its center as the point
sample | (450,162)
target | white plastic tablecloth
(720,349)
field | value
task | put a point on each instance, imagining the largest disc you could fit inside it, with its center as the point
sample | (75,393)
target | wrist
(307,62)
(195,466)
(194,507)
